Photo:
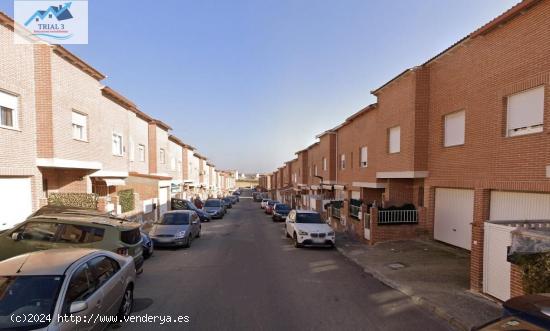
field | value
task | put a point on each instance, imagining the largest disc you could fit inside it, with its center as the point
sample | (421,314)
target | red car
(269,207)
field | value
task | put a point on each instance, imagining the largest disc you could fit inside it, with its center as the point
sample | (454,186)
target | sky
(250,82)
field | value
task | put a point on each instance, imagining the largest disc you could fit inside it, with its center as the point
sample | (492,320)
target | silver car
(176,228)
(59,289)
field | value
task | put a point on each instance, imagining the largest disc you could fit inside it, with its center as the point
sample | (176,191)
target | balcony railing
(354,211)
(335,212)
(397,217)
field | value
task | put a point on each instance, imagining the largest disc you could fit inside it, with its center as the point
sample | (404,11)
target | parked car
(146,245)
(306,227)
(237,192)
(256,196)
(280,212)
(70,282)
(214,208)
(181,204)
(269,206)
(526,312)
(227,202)
(62,227)
(264,203)
(176,228)
(234,198)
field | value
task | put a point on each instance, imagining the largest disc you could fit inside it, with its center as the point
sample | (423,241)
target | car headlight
(331,233)
(302,233)
(180,234)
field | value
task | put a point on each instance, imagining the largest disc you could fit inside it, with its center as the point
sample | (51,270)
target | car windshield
(174,219)
(311,218)
(28,296)
(212,203)
(280,207)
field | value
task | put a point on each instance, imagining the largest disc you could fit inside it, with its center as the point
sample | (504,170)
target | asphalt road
(243,274)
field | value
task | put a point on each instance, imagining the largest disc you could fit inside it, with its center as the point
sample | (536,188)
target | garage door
(15,201)
(506,206)
(454,213)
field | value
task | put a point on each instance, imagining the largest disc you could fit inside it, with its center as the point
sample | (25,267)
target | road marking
(321,263)
(324,268)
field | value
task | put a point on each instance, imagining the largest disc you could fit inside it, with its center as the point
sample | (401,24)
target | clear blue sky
(249,82)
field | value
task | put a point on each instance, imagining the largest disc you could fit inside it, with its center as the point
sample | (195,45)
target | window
(117,144)
(295,178)
(41,231)
(80,126)
(162,157)
(454,129)
(80,286)
(315,170)
(364,161)
(343,161)
(8,110)
(525,112)
(141,153)
(103,268)
(78,234)
(394,140)
(324,164)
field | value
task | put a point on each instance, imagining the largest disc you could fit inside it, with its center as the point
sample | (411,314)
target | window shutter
(79,119)
(454,128)
(395,140)
(364,156)
(8,100)
(526,109)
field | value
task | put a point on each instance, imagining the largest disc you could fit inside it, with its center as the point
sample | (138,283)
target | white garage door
(454,213)
(517,206)
(15,201)
(163,199)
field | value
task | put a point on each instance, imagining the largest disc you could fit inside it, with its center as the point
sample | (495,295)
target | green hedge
(78,200)
(536,272)
(126,200)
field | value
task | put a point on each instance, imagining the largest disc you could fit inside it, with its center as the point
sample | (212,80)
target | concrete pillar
(481,214)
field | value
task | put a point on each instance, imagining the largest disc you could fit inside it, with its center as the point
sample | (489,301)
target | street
(243,274)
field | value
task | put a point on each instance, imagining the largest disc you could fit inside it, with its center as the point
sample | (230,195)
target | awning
(114,181)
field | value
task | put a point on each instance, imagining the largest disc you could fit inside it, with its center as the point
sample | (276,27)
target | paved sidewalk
(432,274)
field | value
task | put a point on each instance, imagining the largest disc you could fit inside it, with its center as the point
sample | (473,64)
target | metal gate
(496,268)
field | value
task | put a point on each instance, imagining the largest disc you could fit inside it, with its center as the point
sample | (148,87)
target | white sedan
(307,228)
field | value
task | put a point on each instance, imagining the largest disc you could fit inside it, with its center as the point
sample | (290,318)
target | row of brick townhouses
(63,131)
(454,150)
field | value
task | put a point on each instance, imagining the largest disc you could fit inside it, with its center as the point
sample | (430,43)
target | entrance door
(15,201)
(163,200)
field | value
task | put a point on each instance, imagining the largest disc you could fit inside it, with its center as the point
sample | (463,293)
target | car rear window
(130,237)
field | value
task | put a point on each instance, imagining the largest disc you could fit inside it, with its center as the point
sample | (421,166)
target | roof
(402,74)
(176,140)
(47,262)
(200,156)
(362,111)
(118,98)
(161,125)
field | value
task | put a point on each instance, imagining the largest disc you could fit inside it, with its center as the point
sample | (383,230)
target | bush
(77,200)
(536,272)
(126,200)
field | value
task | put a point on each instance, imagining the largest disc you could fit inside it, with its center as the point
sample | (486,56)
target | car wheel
(287,235)
(188,242)
(127,304)
(296,243)
(146,254)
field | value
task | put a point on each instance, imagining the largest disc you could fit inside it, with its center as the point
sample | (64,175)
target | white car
(264,203)
(307,228)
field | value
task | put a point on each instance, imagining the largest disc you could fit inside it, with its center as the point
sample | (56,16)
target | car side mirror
(16,236)
(77,307)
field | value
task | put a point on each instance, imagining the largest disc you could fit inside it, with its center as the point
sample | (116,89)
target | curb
(416,299)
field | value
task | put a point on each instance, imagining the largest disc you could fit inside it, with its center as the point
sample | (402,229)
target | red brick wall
(43,99)
(516,281)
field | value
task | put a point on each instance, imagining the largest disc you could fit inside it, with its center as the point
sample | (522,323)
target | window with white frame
(162,156)
(117,144)
(454,129)
(343,161)
(324,164)
(8,110)
(364,160)
(394,140)
(141,152)
(525,112)
(80,126)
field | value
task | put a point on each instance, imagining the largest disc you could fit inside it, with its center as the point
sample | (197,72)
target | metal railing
(398,217)
(354,211)
(335,212)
